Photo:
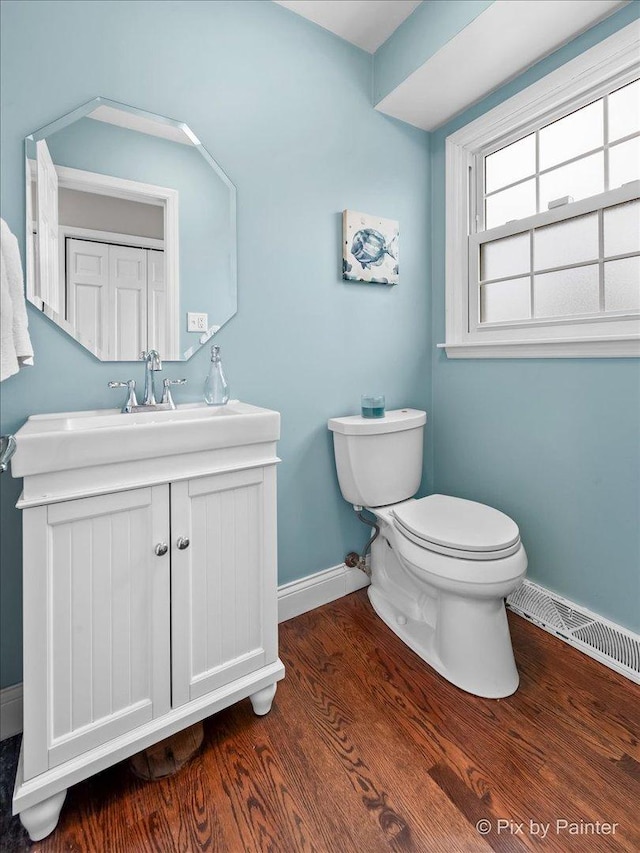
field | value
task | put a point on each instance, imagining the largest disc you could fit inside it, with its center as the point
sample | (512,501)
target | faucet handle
(166,392)
(132,401)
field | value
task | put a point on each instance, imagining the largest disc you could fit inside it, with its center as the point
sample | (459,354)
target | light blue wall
(204,202)
(418,38)
(555,443)
(285,108)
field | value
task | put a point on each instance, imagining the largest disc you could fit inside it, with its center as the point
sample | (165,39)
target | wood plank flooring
(366,749)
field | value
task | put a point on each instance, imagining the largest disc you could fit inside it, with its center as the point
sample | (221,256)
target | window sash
(534,125)
(598,203)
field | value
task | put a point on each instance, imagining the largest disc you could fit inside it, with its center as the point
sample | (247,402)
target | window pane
(581,179)
(622,229)
(624,163)
(573,135)
(514,203)
(505,300)
(510,164)
(622,285)
(574,291)
(624,111)
(569,242)
(505,257)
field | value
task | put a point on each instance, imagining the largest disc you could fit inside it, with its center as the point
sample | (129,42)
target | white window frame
(590,76)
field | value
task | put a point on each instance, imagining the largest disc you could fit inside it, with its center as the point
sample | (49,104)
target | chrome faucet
(152,364)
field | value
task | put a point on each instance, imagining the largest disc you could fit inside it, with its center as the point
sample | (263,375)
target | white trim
(584,78)
(10,711)
(77,233)
(613,347)
(313,591)
(519,605)
(294,598)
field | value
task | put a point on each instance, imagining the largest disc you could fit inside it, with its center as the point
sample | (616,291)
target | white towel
(15,343)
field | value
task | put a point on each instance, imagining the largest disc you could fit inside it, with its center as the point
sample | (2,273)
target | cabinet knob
(161,549)
(182,543)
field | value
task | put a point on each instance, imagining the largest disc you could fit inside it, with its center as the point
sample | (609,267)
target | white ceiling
(365,23)
(502,42)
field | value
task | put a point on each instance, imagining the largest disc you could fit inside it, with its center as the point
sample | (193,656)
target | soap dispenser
(216,388)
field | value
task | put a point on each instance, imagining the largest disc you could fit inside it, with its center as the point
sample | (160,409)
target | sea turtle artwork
(370,248)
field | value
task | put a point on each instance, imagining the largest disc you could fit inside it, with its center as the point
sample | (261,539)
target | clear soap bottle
(216,387)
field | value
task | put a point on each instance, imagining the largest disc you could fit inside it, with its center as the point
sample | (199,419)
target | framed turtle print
(369,248)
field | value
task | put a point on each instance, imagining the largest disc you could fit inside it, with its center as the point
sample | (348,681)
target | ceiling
(365,23)
(502,42)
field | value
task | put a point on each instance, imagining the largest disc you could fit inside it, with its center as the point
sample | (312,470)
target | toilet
(441,566)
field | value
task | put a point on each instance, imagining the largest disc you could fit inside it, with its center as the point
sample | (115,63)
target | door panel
(88,293)
(128,302)
(108,616)
(222,584)
(157,305)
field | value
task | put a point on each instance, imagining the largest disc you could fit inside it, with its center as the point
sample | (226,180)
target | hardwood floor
(367,749)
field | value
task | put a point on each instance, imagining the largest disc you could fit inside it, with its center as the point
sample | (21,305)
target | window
(543,215)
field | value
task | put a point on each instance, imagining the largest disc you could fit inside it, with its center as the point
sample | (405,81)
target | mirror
(131,232)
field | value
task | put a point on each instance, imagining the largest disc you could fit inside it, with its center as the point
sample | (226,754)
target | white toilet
(441,566)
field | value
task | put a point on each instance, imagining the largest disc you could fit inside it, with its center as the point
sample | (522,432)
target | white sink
(68,440)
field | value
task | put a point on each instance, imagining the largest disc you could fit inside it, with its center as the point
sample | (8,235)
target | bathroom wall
(285,107)
(555,443)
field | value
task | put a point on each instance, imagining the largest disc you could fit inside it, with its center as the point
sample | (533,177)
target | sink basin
(59,442)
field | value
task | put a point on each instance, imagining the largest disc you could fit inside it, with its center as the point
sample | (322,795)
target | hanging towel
(15,343)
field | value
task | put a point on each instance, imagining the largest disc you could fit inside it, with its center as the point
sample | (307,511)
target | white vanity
(150,590)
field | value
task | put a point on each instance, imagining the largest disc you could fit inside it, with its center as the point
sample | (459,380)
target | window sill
(612,347)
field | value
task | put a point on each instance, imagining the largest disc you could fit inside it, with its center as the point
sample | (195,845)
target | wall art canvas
(369,248)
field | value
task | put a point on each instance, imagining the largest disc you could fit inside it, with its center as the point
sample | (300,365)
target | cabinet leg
(262,700)
(40,820)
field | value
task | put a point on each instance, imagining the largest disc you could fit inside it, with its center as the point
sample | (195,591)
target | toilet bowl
(441,566)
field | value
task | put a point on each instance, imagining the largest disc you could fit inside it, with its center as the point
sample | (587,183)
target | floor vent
(611,644)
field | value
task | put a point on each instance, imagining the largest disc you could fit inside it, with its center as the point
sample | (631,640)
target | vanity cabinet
(146,608)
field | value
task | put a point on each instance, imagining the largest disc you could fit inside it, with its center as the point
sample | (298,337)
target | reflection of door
(158,318)
(127,302)
(48,229)
(116,295)
(88,293)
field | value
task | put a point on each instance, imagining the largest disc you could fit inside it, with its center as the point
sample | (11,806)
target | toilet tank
(379,460)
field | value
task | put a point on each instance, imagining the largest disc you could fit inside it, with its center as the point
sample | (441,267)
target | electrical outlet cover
(197,322)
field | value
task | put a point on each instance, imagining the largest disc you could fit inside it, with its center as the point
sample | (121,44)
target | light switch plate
(197,322)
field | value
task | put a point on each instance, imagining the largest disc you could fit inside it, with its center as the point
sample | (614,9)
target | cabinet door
(97,622)
(223,586)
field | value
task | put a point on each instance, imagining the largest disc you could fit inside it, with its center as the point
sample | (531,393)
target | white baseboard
(10,711)
(315,590)
(294,599)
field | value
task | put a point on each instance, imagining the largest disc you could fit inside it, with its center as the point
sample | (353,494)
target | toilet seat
(457,528)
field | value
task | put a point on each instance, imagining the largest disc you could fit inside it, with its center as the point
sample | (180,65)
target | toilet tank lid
(393,421)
